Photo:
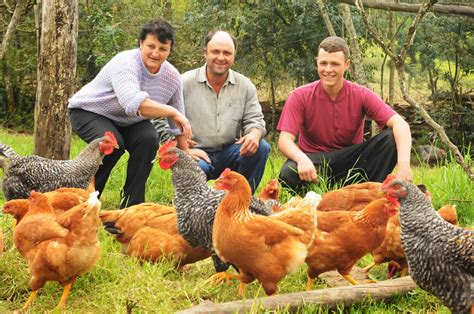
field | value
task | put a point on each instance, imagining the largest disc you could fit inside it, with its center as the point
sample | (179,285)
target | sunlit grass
(119,283)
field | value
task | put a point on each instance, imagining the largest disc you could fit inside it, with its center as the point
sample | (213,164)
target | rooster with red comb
(22,174)
(440,255)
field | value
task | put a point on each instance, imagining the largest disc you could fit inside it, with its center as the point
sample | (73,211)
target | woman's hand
(183,123)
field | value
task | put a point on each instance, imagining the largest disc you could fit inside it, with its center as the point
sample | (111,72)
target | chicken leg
(369,267)
(349,278)
(66,291)
(309,285)
(242,287)
(30,299)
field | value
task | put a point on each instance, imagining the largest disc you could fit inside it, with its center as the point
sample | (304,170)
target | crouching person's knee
(289,177)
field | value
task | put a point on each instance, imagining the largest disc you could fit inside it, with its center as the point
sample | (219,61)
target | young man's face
(220,54)
(331,67)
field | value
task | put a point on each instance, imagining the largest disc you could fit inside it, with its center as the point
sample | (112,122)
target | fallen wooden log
(330,297)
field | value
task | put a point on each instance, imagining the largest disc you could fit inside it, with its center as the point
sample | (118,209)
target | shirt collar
(202,78)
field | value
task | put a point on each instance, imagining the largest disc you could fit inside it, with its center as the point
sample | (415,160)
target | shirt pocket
(236,108)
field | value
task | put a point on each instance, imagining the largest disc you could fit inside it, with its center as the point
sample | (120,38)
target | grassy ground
(119,283)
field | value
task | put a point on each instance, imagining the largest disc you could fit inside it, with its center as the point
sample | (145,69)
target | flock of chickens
(58,216)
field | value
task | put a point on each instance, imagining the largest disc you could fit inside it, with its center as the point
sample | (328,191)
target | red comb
(387,181)
(165,146)
(226,172)
(111,136)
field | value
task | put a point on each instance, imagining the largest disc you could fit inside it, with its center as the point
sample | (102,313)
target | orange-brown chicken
(60,200)
(266,248)
(352,197)
(391,249)
(149,231)
(343,237)
(270,195)
(58,248)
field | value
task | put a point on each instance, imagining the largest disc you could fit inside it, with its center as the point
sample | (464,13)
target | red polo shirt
(324,125)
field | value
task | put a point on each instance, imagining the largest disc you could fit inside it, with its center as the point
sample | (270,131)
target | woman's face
(154,52)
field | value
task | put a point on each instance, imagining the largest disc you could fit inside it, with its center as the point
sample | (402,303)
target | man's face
(220,54)
(331,67)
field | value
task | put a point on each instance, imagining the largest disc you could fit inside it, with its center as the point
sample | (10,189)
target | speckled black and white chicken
(22,174)
(195,202)
(440,255)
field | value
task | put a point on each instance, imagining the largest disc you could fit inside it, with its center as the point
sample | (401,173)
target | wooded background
(417,56)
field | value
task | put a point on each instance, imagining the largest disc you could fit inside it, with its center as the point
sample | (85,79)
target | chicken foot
(221,277)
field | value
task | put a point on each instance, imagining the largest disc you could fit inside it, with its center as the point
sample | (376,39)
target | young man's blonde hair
(334,44)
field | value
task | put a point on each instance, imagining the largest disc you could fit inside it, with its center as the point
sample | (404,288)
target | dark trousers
(251,167)
(139,139)
(374,159)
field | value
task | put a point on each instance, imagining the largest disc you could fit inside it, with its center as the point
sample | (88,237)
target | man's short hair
(159,28)
(334,44)
(213,32)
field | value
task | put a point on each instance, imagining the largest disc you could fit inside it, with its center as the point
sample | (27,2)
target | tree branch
(400,66)
(412,29)
(19,9)
(360,7)
(413,8)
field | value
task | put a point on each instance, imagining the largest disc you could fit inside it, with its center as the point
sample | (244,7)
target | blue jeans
(251,167)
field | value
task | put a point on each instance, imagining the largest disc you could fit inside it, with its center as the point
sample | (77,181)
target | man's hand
(191,143)
(404,172)
(250,142)
(306,169)
(198,154)
(183,123)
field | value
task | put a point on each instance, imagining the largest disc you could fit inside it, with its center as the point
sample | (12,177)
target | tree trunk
(391,76)
(9,91)
(413,8)
(356,54)
(325,15)
(327,298)
(56,73)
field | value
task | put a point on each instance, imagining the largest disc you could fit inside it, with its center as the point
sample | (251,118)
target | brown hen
(391,249)
(265,248)
(149,231)
(343,237)
(352,197)
(58,248)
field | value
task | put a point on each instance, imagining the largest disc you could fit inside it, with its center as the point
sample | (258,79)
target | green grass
(118,282)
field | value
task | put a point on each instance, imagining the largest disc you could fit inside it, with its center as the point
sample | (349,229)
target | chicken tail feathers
(111,228)
(109,218)
(7,151)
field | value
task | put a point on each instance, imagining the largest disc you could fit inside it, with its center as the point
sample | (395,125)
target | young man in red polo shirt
(327,116)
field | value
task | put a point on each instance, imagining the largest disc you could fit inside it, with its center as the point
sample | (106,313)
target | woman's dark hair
(158,28)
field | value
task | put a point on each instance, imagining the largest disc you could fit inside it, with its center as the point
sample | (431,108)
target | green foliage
(119,283)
